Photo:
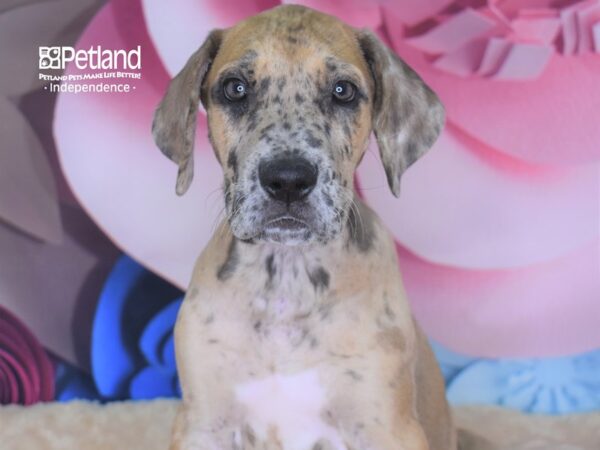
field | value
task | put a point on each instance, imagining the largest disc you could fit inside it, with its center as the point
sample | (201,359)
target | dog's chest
(288,408)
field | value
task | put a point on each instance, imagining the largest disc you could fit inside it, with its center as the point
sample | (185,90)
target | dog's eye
(234,89)
(344,91)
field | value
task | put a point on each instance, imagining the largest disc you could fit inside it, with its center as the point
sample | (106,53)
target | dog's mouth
(286,229)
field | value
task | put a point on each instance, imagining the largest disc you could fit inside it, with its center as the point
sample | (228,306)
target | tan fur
(334,304)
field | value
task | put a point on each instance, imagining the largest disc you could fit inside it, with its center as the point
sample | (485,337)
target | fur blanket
(146,425)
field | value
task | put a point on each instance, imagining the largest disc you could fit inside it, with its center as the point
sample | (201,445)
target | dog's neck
(304,273)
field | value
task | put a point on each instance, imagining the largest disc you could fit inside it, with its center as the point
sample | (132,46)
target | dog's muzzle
(287,181)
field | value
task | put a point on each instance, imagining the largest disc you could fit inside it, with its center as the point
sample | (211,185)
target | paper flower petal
(137,206)
(153,382)
(466,205)
(168,350)
(453,33)
(551,386)
(113,361)
(74,384)
(411,12)
(547,309)
(28,199)
(26,373)
(7,5)
(357,13)
(451,363)
(524,61)
(193,20)
(157,334)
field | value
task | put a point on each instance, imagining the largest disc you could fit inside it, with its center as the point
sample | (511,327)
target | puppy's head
(292,96)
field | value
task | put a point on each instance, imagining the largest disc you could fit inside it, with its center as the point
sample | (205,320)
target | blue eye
(344,91)
(234,89)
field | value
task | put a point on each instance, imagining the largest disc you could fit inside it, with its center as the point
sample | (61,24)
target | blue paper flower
(72,383)
(550,385)
(132,338)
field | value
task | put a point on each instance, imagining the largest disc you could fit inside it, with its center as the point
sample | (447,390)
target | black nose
(287,179)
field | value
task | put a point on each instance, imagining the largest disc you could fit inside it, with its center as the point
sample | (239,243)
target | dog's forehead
(292,36)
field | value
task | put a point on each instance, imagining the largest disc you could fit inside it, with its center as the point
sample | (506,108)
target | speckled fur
(331,300)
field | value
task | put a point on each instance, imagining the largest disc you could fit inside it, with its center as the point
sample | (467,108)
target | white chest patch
(292,405)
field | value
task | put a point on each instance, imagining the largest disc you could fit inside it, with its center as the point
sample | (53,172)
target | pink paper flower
(497,227)
(26,373)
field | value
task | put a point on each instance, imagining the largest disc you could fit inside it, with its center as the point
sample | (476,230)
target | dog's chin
(286,230)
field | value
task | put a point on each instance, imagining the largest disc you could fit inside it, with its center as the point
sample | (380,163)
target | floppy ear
(174,125)
(407,115)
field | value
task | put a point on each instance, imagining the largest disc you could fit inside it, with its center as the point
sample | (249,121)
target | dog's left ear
(407,115)
(174,125)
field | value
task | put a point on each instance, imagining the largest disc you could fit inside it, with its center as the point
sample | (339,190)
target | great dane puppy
(295,332)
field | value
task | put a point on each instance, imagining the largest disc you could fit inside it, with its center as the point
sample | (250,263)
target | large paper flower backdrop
(26,373)
(497,227)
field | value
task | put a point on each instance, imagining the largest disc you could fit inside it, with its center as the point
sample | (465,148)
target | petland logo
(94,58)
(95,70)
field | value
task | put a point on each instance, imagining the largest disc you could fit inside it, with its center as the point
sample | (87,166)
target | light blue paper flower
(549,386)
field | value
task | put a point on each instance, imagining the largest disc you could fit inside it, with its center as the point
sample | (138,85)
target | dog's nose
(287,179)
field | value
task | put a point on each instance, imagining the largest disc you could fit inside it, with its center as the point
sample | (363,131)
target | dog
(295,332)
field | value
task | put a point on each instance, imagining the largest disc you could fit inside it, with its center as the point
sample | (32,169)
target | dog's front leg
(208,361)
(373,405)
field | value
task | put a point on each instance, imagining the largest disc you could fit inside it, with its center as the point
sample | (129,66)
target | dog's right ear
(174,125)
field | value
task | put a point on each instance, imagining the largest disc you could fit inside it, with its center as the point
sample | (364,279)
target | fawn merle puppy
(295,332)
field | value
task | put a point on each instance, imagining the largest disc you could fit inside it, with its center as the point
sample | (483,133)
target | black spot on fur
(299,98)
(265,83)
(312,140)
(389,312)
(232,163)
(227,269)
(412,151)
(354,375)
(361,228)
(264,132)
(319,278)
(271,269)
(347,130)
(227,191)
(250,436)
(331,65)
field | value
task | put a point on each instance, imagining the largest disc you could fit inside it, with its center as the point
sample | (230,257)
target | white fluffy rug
(146,426)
